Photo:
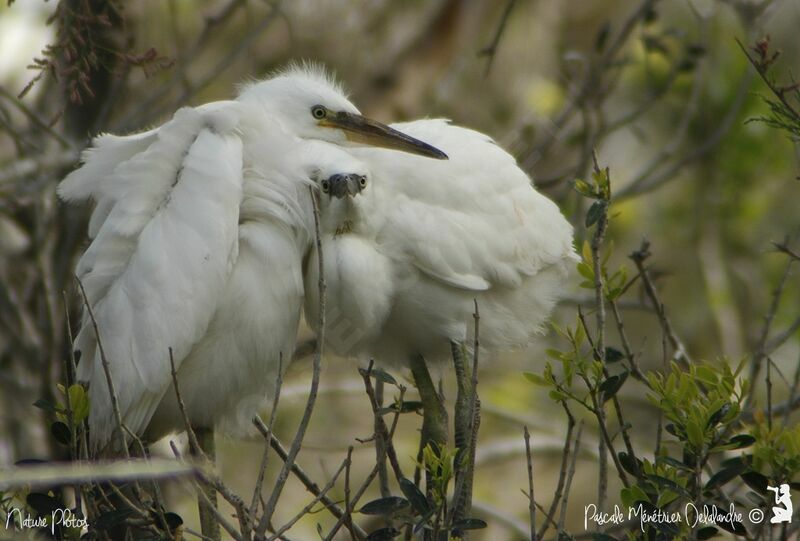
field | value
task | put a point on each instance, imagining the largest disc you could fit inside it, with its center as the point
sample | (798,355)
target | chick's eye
(318,112)
(325,185)
(362,181)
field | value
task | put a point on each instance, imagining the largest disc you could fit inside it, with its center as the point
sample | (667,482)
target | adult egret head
(306,102)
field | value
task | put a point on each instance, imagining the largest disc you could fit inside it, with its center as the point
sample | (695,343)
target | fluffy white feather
(198,236)
(406,257)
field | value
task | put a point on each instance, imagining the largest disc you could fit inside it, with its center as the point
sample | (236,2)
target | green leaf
(43,404)
(612,385)
(630,464)
(112,518)
(536,379)
(669,484)
(174,520)
(383,534)
(694,433)
(718,415)
(61,432)
(613,355)
(583,188)
(385,506)
(595,212)
(43,504)
(674,463)
(469,524)
(78,402)
(586,270)
(741,441)
(406,406)
(725,475)
(756,481)
(382,375)
(707,533)
(411,491)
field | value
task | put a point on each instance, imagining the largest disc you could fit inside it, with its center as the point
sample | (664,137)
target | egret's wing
(157,266)
(473,221)
(94,179)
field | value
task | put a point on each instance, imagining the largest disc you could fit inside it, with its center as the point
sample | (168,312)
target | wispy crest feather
(313,71)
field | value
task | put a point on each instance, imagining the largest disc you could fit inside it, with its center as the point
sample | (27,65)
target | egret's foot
(434,414)
(209,525)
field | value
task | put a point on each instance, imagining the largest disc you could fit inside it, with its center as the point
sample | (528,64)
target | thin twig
(638,257)
(106,370)
(561,475)
(267,438)
(531,499)
(490,51)
(298,472)
(563,514)
(317,498)
(269,509)
(380,424)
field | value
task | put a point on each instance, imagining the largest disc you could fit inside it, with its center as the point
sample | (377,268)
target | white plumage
(405,257)
(202,226)
(198,236)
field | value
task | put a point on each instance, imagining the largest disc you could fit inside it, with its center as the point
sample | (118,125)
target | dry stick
(243,514)
(363,488)
(70,370)
(561,475)
(761,350)
(531,500)
(347,490)
(383,474)
(307,509)
(106,370)
(600,322)
(589,84)
(597,410)
(491,50)
(207,500)
(224,63)
(626,346)
(380,424)
(148,105)
(792,392)
(304,478)
(762,72)
(202,495)
(563,514)
(268,437)
(638,257)
(269,509)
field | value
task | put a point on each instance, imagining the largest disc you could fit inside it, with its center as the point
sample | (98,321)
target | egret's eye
(325,185)
(318,112)
(362,181)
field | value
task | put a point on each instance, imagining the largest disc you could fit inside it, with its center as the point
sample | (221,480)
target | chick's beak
(360,129)
(341,186)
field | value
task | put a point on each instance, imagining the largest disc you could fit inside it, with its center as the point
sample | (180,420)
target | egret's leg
(466,418)
(434,414)
(208,521)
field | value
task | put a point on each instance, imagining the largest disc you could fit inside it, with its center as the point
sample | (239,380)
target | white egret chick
(409,244)
(197,242)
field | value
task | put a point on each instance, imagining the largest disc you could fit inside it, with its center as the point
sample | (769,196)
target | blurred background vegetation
(660,89)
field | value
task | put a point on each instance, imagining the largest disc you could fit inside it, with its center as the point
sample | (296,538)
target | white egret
(198,237)
(409,244)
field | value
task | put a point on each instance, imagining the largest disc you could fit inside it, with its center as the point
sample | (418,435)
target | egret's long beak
(366,131)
